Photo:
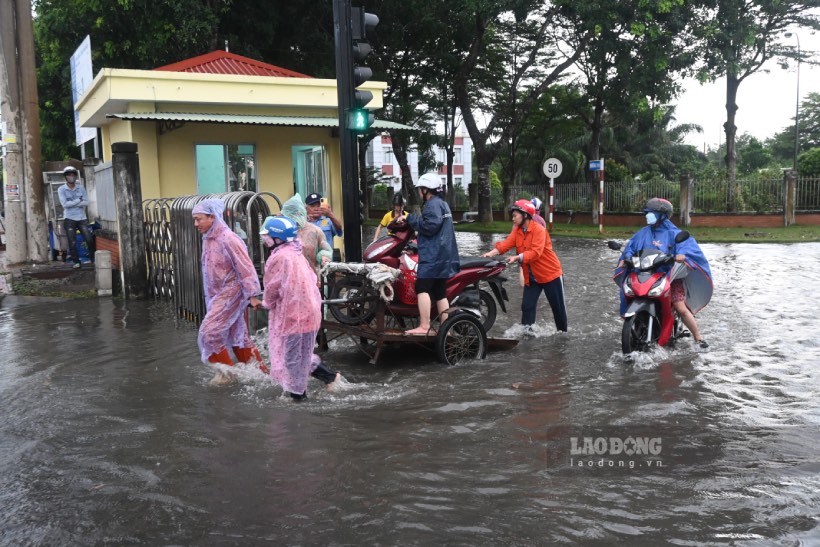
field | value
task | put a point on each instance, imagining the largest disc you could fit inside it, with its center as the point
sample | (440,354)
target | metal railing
(808,194)
(174,246)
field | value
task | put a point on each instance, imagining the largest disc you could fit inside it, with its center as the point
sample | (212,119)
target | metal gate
(174,246)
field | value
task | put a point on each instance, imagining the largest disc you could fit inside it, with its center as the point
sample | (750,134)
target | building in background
(380,157)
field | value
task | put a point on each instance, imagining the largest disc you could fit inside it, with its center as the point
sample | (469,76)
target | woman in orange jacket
(542,269)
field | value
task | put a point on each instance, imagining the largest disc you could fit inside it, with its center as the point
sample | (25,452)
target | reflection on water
(113,435)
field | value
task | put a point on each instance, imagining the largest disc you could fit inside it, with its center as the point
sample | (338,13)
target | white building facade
(380,156)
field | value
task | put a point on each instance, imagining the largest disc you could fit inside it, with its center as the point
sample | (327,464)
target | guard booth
(57,238)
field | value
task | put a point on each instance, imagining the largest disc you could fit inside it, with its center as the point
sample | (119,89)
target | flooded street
(111,433)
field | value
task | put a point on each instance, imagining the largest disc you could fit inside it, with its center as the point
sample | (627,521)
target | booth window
(225,168)
(309,169)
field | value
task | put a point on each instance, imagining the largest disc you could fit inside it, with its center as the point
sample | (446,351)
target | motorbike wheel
(364,300)
(489,309)
(461,338)
(635,331)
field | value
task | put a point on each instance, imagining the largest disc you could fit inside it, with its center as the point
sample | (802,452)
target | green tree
(509,58)
(808,163)
(140,34)
(752,155)
(782,143)
(735,39)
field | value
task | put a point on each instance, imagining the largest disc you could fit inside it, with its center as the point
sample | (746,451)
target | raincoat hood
(294,209)
(215,207)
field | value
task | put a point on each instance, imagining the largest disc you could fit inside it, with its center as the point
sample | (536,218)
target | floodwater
(111,433)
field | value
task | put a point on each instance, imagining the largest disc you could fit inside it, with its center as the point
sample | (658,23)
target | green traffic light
(359,119)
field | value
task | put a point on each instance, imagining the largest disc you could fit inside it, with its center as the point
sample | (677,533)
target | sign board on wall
(81,78)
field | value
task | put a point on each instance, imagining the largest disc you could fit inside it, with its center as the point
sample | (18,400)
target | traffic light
(361,23)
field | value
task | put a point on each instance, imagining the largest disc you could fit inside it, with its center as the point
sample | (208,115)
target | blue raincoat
(438,252)
(698,283)
(229,280)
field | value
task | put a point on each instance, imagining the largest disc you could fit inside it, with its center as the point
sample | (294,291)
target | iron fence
(808,194)
(709,196)
(174,246)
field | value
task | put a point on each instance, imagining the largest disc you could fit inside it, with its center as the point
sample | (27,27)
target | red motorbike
(649,318)
(397,250)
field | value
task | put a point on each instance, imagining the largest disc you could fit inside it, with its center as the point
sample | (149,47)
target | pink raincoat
(294,318)
(229,280)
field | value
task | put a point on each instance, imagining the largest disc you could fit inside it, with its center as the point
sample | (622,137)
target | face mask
(651,218)
(71,179)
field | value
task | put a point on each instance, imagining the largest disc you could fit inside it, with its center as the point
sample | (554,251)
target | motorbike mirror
(614,245)
(681,236)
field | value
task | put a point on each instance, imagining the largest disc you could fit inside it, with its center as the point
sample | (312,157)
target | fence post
(130,219)
(686,198)
(789,197)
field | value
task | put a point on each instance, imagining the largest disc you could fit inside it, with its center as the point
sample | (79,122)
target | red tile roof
(224,62)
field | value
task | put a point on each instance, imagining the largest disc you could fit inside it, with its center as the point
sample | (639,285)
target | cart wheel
(363,300)
(461,338)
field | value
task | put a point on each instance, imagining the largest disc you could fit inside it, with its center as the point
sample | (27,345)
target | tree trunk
(400,152)
(364,176)
(485,205)
(733,195)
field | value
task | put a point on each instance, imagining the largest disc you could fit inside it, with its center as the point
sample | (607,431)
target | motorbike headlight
(658,287)
(628,288)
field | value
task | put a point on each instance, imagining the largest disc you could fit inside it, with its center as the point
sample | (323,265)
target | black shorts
(436,288)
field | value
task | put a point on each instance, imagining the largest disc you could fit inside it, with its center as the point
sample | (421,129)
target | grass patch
(779,234)
(49,287)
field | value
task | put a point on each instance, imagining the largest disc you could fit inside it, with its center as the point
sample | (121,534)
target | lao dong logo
(615,446)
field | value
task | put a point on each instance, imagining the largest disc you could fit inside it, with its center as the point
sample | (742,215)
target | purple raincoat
(294,318)
(229,280)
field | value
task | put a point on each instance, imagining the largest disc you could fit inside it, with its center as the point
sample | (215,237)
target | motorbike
(397,250)
(650,318)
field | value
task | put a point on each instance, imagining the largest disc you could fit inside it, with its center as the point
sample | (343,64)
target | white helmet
(429,180)
(69,169)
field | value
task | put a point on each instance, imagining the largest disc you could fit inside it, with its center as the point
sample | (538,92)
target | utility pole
(27,237)
(13,195)
(35,205)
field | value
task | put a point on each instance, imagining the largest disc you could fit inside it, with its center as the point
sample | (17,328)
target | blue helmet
(279,227)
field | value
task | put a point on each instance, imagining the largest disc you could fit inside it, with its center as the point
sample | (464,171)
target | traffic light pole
(348,142)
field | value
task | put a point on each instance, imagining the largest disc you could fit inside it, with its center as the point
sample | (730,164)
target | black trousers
(71,227)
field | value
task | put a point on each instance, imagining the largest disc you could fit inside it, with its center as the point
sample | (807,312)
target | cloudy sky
(766,101)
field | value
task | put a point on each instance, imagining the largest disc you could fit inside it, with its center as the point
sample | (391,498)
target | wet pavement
(112,434)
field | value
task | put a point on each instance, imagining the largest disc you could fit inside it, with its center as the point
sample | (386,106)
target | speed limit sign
(552,168)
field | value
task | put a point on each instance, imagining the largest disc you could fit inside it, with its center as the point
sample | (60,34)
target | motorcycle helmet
(430,181)
(398,199)
(524,207)
(69,170)
(658,206)
(537,204)
(279,227)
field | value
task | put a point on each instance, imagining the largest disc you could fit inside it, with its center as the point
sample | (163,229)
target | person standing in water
(231,284)
(294,311)
(438,251)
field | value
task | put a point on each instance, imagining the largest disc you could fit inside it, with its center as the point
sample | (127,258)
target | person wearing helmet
(542,269)
(74,200)
(438,251)
(230,285)
(537,216)
(389,216)
(659,233)
(294,308)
